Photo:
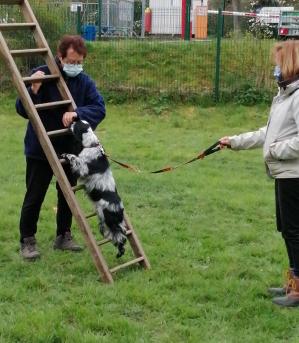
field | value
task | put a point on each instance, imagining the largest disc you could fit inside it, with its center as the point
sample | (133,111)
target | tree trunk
(236,8)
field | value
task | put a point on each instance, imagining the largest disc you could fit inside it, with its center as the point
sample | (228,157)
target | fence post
(79,20)
(223,8)
(218,56)
(100,18)
(143,5)
(188,20)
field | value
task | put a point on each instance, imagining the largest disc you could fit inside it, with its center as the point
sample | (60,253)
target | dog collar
(98,145)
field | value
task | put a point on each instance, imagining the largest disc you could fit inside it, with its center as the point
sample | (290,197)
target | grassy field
(208,230)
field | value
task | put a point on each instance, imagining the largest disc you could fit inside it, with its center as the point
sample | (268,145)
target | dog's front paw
(65,158)
(68,157)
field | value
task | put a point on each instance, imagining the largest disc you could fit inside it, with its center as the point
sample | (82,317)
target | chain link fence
(223,59)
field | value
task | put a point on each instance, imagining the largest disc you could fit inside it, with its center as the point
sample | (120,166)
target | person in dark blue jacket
(90,107)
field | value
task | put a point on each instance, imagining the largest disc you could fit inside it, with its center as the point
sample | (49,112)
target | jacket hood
(288,87)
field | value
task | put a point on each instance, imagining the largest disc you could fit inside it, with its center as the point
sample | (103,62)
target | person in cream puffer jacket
(280,137)
(280,142)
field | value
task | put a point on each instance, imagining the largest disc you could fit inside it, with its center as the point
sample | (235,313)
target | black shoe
(28,249)
(281,291)
(66,242)
(292,298)
(277,292)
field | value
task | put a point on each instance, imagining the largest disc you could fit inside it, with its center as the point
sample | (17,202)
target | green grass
(208,230)
(182,68)
(177,69)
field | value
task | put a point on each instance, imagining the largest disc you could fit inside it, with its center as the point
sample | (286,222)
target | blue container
(89,32)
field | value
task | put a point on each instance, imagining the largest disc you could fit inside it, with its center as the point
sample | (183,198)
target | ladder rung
(17,26)
(91,215)
(28,52)
(78,188)
(53,104)
(46,78)
(104,241)
(136,260)
(59,133)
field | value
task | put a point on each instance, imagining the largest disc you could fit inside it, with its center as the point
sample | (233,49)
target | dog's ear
(75,119)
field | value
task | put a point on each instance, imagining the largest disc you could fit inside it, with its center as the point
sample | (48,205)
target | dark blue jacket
(90,107)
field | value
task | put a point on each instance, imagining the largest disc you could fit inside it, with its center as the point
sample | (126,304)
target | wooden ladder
(44,137)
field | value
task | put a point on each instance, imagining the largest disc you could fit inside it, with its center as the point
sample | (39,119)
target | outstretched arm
(245,141)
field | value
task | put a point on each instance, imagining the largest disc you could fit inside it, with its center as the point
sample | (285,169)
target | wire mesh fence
(124,58)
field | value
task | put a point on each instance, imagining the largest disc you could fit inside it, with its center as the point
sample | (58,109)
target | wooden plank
(78,188)
(124,265)
(59,133)
(16,26)
(135,244)
(28,52)
(35,79)
(56,166)
(104,241)
(54,104)
(91,215)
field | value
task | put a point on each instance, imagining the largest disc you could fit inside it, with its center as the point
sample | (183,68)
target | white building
(167,15)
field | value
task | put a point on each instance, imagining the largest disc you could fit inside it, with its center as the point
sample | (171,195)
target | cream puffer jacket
(280,137)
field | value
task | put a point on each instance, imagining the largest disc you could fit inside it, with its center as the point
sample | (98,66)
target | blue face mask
(277,73)
(72,70)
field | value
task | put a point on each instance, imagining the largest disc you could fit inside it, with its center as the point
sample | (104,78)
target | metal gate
(117,17)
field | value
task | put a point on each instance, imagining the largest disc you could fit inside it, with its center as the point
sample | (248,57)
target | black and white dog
(93,170)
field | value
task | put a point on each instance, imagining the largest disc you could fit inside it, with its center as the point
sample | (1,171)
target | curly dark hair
(71,41)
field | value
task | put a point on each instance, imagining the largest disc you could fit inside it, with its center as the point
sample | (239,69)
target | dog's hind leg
(121,250)
(119,240)
(103,230)
(102,227)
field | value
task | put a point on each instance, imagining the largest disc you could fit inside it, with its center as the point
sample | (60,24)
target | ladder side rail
(136,245)
(49,58)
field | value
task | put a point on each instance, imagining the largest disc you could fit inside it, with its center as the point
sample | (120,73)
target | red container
(283,31)
(148,20)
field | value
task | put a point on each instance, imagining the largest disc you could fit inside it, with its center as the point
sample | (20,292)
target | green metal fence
(228,65)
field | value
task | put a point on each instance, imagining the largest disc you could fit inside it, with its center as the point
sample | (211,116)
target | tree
(236,8)
(258,4)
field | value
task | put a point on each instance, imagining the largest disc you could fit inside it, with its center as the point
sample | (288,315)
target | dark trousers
(38,178)
(287,215)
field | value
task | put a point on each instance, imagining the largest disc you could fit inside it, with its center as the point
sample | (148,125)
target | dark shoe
(66,242)
(276,291)
(28,249)
(292,298)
